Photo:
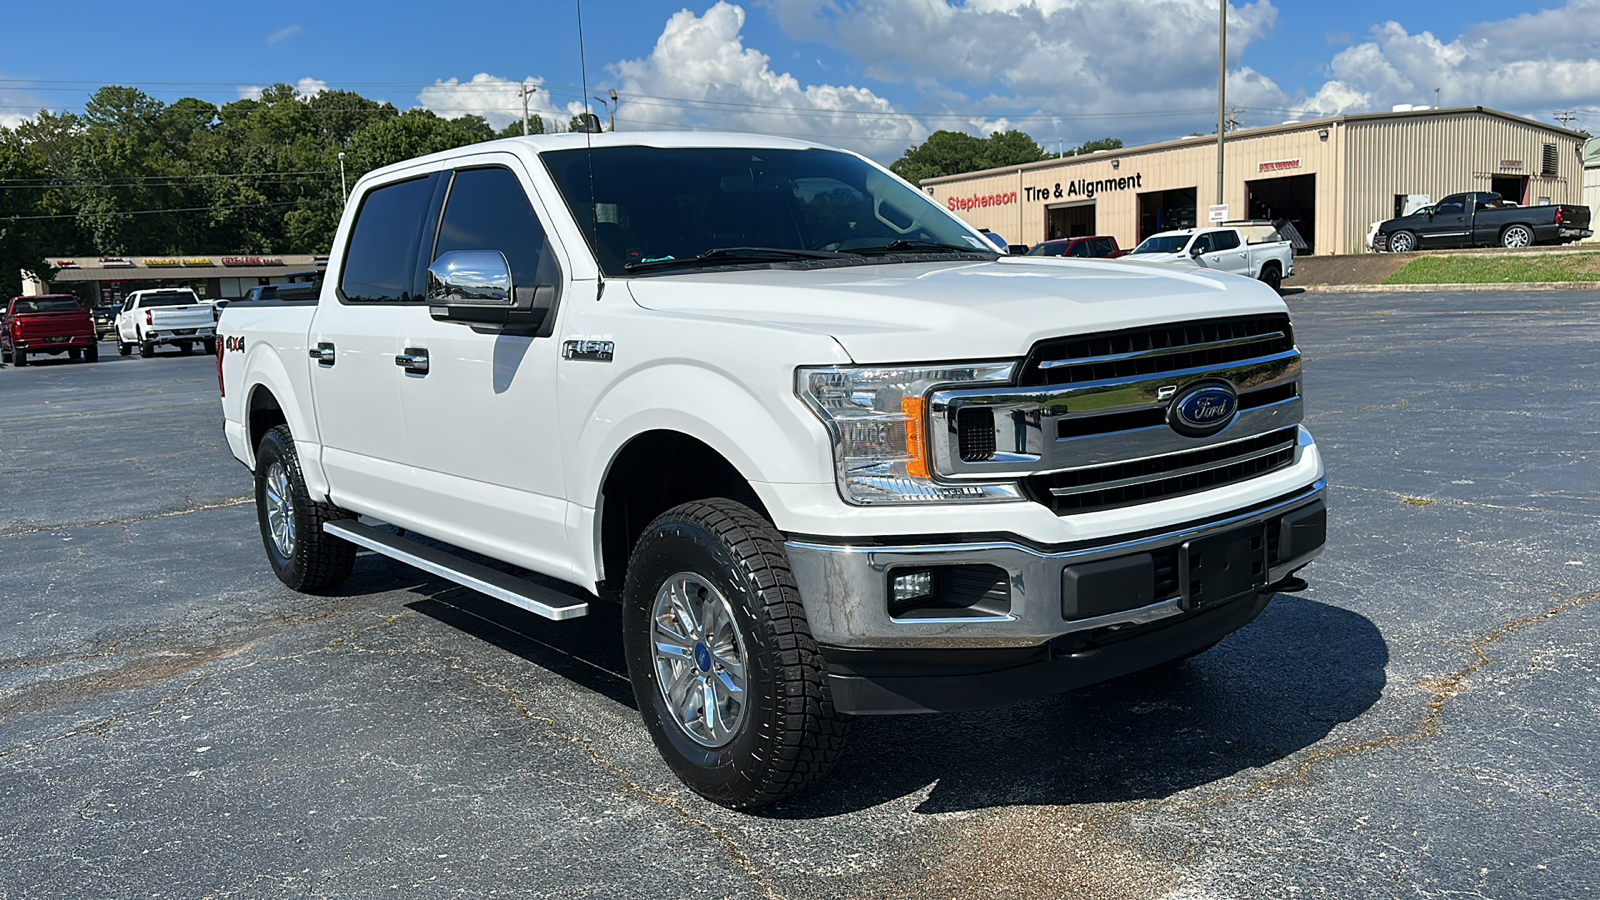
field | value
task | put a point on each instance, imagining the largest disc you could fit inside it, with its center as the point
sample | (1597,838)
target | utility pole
(1565,116)
(527,91)
(1222,88)
(1435,98)
(342,183)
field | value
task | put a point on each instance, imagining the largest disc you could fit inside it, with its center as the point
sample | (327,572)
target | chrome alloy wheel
(280,509)
(699,659)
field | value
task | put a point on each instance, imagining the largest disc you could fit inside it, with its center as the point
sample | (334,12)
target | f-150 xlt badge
(1203,410)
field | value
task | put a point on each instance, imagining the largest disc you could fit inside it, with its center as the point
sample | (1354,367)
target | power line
(156,212)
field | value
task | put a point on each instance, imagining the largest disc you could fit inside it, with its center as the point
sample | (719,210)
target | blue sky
(877,75)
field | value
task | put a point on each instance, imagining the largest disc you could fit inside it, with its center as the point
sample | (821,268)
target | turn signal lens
(916,448)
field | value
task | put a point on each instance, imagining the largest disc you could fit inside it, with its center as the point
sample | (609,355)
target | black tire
(789,735)
(315,561)
(146,349)
(124,349)
(1516,237)
(19,357)
(1402,242)
(186,347)
(75,355)
(1272,276)
(211,346)
(91,353)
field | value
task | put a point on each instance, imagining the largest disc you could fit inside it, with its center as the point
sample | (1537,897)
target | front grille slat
(1136,352)
(1146,480)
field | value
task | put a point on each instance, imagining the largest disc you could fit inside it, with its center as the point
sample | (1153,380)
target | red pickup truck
(50,323)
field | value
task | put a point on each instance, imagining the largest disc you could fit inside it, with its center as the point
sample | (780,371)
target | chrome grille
(1156,478)
(1141,352)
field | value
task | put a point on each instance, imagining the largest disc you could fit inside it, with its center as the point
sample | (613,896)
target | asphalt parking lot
(1422,723)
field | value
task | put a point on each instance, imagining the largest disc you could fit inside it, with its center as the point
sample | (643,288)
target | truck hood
(1181,258)
(957,310)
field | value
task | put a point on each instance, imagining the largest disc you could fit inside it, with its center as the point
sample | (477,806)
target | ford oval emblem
(1203,410)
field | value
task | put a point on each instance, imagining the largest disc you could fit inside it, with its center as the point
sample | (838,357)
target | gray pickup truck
(1482,219)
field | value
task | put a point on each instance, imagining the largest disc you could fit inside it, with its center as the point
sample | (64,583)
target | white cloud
(1532,63)
(283,33)
(498,100)
(250,91)
(700,75)
(310,87)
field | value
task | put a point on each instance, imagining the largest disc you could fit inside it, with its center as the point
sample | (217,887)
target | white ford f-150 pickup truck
(175,316)
(832,453)
(1252,250)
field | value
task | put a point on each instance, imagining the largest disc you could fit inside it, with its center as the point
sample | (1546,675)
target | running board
(518,592)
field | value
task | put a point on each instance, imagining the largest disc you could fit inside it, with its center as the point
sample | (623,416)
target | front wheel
(1402,242)
(727,677)
(1516,237)
(302,556)
(124,349)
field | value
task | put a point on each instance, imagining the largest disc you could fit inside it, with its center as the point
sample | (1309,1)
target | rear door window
(381,259)
(1224,240)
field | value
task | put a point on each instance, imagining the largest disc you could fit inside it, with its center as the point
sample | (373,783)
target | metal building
(1331,178)
(1591,182)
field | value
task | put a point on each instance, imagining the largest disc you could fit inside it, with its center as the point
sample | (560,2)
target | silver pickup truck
(165,316)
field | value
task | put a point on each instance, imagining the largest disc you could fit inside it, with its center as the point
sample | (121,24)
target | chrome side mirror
(474,287)
(470,278)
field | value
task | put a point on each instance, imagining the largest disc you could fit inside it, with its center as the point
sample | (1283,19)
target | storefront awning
(172,273)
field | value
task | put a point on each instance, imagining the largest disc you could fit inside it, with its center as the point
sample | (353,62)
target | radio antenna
(588,137)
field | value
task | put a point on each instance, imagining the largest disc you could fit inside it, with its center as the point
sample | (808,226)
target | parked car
(166,316)
(830,453)
(1255,251)
(47,324)
(1483,219)
(1103,247)
(999,242)
(105,319)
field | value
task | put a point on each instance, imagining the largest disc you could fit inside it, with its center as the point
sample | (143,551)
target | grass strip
(1551,267)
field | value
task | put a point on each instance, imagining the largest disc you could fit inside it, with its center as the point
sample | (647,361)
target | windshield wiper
(920,245)
(726,256)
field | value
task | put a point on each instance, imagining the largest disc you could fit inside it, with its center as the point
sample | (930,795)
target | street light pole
(609,106)
(1222,88)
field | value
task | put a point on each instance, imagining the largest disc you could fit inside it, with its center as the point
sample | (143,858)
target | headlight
(878,420)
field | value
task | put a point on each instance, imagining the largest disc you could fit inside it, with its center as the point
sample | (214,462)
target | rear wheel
(1516,237)
(91,353)
(19,357)
(301,554)
(75,355)
(1402,242)
(727,677)
(1272,276)
(186,348)
(211,346)
(147,349)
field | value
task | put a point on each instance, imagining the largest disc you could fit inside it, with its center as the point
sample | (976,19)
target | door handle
(414,360)
(323,354)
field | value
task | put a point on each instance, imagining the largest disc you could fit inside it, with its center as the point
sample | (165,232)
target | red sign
(1278,165)
(978,201)
(251,261)
(66,264)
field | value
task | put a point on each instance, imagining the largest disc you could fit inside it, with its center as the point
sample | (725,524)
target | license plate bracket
(1221,567)
(57,340)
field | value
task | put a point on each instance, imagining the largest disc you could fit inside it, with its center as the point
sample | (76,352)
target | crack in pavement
(1410,498)
(1442,691)
(629,784)
(134,520)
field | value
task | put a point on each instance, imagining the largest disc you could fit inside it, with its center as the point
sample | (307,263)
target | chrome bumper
(845,588)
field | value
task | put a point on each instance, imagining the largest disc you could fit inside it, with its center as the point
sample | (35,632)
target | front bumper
(1069,616)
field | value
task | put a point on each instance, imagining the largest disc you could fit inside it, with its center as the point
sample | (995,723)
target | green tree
(1091,146)
(955,152)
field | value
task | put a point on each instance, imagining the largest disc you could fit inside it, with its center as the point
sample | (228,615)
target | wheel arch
(648,475)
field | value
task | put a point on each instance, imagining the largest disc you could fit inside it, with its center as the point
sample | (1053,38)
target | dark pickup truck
(49,323)
(1481,219)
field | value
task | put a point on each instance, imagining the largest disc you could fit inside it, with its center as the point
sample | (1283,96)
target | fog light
(912,585)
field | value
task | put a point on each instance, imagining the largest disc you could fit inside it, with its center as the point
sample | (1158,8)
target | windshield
(1163,243)
(46,305)
(657,208)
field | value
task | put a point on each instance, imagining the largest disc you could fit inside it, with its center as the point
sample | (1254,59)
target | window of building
(380,260)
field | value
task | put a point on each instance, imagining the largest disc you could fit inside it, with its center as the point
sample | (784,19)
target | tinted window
(47,305)
(1202,244)
(1450,208)
(174,299)
(1224,240)
(380,261)
(1081,248)
(1047,250)
(488,210)
(1101,248)
(642,204)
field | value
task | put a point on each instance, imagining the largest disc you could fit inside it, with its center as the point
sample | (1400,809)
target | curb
(1445,288)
